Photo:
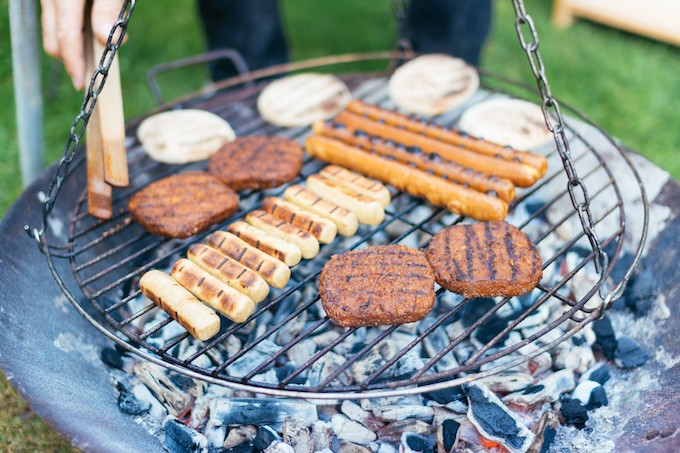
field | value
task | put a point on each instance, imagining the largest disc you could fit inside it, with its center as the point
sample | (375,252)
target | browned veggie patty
(485,260)
(182,205)
(257,162)
(389,284)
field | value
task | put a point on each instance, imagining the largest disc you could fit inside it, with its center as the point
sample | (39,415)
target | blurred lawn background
(627,84)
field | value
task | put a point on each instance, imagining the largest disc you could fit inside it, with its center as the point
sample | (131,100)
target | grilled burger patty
(182,205)
(485,260)
(257,162)
(389,284)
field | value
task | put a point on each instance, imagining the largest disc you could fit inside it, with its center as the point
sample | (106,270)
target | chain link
(400,8)
(115,39)
(554,121)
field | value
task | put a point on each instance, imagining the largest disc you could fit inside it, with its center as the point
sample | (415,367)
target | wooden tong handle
(112,123)
(99,202)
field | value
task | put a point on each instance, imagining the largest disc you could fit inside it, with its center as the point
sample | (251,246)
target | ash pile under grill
(518,410)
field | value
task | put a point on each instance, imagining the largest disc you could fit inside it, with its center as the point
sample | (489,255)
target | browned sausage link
(439,192)
(453,137)
(520,174)
(452,171)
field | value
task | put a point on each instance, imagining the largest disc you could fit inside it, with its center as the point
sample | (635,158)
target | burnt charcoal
(549,434)
(449,433)
(598,398)
(641,292)
(494,420)
(533,389)
(532,207)
(629,354)
(285,370)
(131,405)
(260,411)
(599,374)
(266,435)
(180,438)
(412,442)
(605,338)
(245,448)
(446,395)
(474,310)
(573,413)
(111,358)
(591,394)
(183,382)
(545,430)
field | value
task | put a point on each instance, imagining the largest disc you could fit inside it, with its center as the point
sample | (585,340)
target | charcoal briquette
(629,354)
(573,413)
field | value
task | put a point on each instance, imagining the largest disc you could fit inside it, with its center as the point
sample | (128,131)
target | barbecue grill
(106,258)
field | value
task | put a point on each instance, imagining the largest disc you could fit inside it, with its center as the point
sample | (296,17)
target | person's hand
(62,27)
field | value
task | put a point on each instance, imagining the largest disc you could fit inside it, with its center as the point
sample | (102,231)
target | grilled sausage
(434,189)
(217,294)
(452,171)
(275,272)
(451,136)
(344,219)
(229,271)
(200,321)
(367,210)
(284,251)
(520,174)
(324,230)
(308,244)
(358,183)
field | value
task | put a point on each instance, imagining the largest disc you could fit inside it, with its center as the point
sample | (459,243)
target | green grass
(627,84)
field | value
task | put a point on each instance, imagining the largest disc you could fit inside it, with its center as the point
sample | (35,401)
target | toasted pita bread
(511,122)
(301,99)
(432,84)
(181,136)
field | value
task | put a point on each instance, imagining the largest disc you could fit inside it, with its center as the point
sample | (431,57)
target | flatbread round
(181,136)
(301,99)
(508,122)
(432,84)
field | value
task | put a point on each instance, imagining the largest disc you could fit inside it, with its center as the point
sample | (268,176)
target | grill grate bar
(121,303)
(112,251)
(141,312)
(172,343)
(356,356)
(389,363)
(304,334)
(119,264)
(309,362)
(155,328)
(268,332)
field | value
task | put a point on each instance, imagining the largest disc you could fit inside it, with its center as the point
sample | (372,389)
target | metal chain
(399,8)
(555,123)
(115,39)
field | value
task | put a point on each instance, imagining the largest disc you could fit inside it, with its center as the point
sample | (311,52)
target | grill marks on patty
(485,260)
(257,162)
(379,285)
(182,205)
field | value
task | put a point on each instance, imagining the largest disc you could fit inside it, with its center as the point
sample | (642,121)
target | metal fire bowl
(51,354)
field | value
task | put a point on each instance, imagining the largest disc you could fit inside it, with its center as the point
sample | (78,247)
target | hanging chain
(115,39)
(555,123)
(399,8)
